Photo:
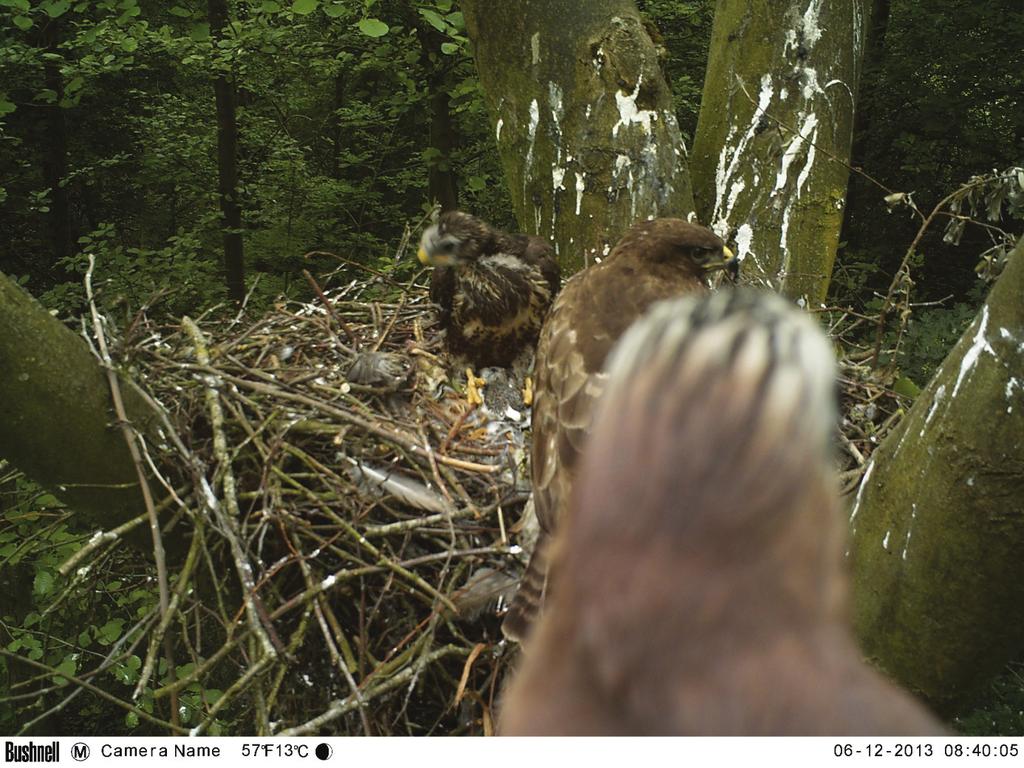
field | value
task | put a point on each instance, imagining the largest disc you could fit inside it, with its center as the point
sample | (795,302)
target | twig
(226,521)
(133,449)
(341,708)
(74,680)
(903,273)
(330,311)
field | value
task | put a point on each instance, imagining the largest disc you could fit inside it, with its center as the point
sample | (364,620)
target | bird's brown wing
(567,387)
(594,308)
(539,251)
(442,293)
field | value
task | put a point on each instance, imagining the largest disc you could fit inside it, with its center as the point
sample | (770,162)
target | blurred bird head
(720,411)
(457,238)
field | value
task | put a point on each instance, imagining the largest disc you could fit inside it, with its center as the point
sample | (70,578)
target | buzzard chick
(701,587)
(655,260)
(493,289)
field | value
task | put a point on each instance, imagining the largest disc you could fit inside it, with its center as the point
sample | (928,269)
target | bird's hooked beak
(732,264)
(435,251)
(729,263)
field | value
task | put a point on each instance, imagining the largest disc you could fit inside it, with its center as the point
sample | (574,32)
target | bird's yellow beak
(732,264)
(729,262)
(436,260)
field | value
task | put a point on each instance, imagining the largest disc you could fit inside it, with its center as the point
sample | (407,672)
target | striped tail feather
(529,598)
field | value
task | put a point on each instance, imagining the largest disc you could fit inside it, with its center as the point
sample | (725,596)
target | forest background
(353,118)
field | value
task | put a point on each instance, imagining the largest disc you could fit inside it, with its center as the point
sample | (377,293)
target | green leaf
(110,631)
(200,32)
(129,44)
(56,9)
(177,10)
(906,387)
(373,27)
(304,7)
(21,5)
(270,7)
(131,719)
(128,672)
(84,638)
(6,107)
(449,48)
(335,10)
(433,19)
(43,583)
(476,183)
(23,22)
(74,84)
(456,20)
(68,667)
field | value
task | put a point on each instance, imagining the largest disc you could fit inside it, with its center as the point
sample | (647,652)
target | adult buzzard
(492,288)
(655,260)
(701,587)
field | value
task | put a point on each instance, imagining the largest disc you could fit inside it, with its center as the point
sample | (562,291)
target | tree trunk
(441,186)
(583,119)
(227,161)
(938,524)
(56,420)
(776,115)
(441,181)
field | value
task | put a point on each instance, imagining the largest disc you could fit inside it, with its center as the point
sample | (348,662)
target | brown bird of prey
(493,289)
(701,587)
(654,260)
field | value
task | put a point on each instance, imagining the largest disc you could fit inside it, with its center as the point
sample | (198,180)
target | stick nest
(343,524)
(350,520)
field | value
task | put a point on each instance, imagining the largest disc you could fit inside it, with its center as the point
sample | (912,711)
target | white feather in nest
(391,482)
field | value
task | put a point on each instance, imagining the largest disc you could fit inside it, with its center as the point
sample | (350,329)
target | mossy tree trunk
(582,117)
(778,106)
(56,420)
(938,523)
